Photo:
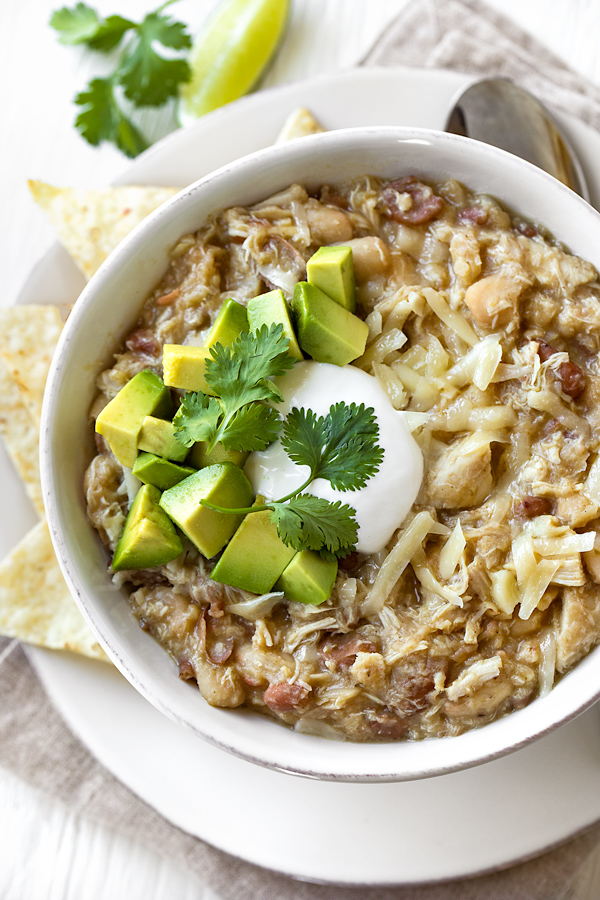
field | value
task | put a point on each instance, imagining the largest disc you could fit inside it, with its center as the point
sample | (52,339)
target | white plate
(509,810)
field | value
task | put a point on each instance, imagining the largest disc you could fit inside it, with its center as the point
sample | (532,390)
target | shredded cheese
(397,560)
(430,582)
(452,552)
(479,365)
(392,385)
(450,317)
(505,593)
(537,586)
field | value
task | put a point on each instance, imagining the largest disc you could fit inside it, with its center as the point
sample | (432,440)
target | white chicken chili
(475,582)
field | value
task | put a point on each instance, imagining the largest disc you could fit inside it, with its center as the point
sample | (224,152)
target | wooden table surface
(46,851)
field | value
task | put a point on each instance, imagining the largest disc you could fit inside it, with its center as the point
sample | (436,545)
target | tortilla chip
(35,603)
(29,338)
(299,123)
(90,223)
(20,435)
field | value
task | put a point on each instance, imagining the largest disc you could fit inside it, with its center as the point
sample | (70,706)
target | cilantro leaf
(241,373)
(340,447)
(82,25)
(311,523)
(252,427)
(76,25)
(109,33)
(147,77)
(101,119)
(197,418)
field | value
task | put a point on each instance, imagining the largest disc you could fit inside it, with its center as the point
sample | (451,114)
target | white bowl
(107,310)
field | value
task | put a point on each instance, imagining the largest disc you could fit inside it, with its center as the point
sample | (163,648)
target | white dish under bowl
(107,310)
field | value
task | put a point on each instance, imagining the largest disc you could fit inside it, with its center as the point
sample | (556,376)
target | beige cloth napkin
(464,35)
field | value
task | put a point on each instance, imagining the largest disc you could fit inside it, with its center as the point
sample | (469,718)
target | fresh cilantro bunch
(341,447)
(240,376)
(144,75)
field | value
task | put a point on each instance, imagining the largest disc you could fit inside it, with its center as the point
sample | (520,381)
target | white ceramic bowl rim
(85,347)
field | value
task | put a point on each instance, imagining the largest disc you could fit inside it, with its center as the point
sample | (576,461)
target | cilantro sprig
(240,376)
(145,75)
(341,446)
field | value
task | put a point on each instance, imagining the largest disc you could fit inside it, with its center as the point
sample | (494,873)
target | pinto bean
(526,229)
(328,224)
(342,649)
(371,257)
(545,351)
(386,725)
(219,651)
(186,670)
(422,204)
(285,697)
(474,215)
(412,681)
(572,379)
(143,341)
(529,507)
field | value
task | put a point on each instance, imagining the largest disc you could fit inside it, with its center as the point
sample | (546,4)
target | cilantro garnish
(241,376)
(341,446)
(144,76)
(311,523)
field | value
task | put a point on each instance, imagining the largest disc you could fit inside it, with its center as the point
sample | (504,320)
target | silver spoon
(499,112)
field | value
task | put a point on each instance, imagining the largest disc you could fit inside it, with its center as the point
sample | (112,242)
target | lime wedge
(230,53)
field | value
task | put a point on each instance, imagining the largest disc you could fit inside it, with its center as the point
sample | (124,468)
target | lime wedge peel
(230,54)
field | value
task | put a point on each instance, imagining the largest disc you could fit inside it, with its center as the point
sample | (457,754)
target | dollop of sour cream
(383,504)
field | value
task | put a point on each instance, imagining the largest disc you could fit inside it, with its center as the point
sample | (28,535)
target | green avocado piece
(162,473)
(308,578)
(255,556)
(149,537)
(231,321)
(184,367)
(122,418)
(200,457)
(331,270)
(158,436)
(224,485)
(270,308)
(327,331)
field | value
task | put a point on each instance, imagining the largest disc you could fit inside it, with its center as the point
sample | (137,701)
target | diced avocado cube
(184,367)
(224,485)
(200,457)
(158,436)
(228,325)
(162,473)
(331,270)
(122,418)
(149,537)
(327,331)
(270,308)
(255,557)
(308,578)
